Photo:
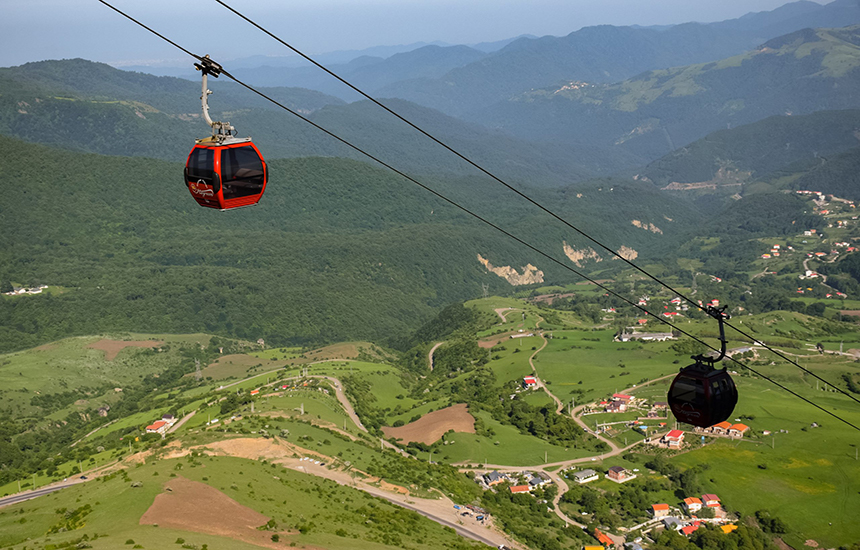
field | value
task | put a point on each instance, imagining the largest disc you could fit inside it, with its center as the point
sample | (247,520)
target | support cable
(515,190)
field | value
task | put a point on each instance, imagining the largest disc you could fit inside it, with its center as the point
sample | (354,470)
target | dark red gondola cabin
(702,395)
(226,175)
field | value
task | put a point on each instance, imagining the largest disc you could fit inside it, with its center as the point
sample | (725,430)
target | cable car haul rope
(224,172)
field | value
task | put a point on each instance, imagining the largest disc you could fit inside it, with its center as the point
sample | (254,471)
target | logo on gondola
(201,188)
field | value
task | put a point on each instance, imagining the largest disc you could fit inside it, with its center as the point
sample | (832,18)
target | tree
(5,286)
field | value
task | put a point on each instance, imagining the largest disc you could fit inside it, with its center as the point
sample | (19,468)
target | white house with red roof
(692,504)
(673,439)
(711,500)
(157,427)
(529,382)
(738,430)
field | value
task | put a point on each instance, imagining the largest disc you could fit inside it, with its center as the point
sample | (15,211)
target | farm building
(529,382)
(585,476)
(720,429)
(618,473)
(738,430)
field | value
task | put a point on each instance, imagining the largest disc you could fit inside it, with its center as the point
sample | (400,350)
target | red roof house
(710,500)
(604,540)
(520,489)
(690,529)
(692,504)
(660,510)
(157,427)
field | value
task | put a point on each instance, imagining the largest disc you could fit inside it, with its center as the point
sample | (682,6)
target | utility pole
(34,482)
(19,485)
(773,443)
(545,457)
(198,374)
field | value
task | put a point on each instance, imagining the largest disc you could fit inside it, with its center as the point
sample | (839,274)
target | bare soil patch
(491,341)
(113,347)
(851,312)
(430,427)
(234,365)
(548,299)
(197,507)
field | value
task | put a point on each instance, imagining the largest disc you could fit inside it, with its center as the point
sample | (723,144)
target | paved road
(27,495)
(182,421)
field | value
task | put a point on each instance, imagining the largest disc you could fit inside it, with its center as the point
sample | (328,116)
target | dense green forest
(336,250)
(759,148)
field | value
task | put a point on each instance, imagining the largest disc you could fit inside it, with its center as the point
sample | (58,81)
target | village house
(494,478)
(692,505)
(539,479)
(602,538)
(157,427)
(619,474)
(720,429)
(585,476)
(615,407)
(630,333)
(673,439)
(662,405)
(690,529)
(738,430)
(660,510)
(710,500)
(520,489)
(529,382)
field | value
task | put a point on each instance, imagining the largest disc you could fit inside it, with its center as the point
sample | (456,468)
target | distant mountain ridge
(605,54)
(135,114)
(656,112)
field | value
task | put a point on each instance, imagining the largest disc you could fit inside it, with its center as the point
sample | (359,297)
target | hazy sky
(33,30)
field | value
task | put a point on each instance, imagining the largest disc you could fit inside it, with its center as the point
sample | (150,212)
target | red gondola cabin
(226,175)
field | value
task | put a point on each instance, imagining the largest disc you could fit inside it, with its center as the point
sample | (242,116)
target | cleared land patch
(430,427)
(234,365)
(197,507)
(113,347)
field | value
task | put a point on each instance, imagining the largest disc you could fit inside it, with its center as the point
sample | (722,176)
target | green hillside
(85,106)
(337,250)
(754,151)
(660,111)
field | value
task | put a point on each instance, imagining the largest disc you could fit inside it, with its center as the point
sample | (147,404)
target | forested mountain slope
(92,107)
(758,149)
(336,250)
